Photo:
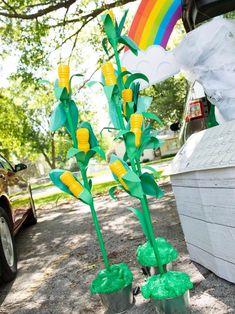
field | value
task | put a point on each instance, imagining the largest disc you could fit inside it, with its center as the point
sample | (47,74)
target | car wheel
(8,259)
(32,216)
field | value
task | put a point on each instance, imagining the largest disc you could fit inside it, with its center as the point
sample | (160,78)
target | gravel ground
(59,257)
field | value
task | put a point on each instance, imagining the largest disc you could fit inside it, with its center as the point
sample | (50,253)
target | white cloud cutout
(155,62)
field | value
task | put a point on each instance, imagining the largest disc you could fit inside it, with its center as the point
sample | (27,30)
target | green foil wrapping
(169,285)
(107,281)
(146,257)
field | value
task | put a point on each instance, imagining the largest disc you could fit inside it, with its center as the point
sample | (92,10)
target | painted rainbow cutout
(154,22)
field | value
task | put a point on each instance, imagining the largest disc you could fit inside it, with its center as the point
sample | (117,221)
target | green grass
(53,198)
(97,188)
(41,186)
(158,161)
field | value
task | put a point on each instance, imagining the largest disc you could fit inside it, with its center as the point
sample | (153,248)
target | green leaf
(152,116)
(110,30)
(141,219)
(81,157)
(58,118)
(86,197)
(73,111)
(109,90)
(104,44)
(130,145)
(133,77)
(120,134)
(129,109)
(72,152)
(121,24)
(127,41)
(120,78)
(125,157)
(60,93)
(90,183)
(150,186)
(89,155)
(70,81)
(100,152)
(143,103)
(134,185)
(111,192)
(92,83)
(154,171)
(107,128)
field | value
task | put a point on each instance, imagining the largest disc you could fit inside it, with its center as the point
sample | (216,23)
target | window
(5,164)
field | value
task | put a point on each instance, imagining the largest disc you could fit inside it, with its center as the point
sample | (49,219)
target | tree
(169,98)
(26,26)
(24,125)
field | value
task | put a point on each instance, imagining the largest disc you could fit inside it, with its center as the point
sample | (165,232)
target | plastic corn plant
(84,146)
(129,116)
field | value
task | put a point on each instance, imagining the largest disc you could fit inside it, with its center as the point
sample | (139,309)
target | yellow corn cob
(127,96)
(64,75)
(136,121)
(119,170)
(74,186)
(82,135)
(124,77)
(111,14)
(109,74)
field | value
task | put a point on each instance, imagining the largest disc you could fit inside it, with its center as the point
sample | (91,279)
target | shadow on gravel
(59,257)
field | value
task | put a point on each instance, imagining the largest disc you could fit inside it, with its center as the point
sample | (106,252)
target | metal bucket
(118,302)
(178,305)
(154,270)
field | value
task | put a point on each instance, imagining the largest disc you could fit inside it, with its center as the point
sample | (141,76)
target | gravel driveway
(59,257)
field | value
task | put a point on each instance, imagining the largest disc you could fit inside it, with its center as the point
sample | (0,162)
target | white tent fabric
(207,55)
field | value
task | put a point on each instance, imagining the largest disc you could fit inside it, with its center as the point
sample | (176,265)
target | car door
(17,191)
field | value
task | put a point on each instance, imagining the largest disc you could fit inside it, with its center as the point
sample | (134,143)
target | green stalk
(148,221)
(86,185)
(119,67)
(144,201)
(99,235)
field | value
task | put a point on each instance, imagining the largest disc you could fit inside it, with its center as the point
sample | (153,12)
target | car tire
(8,258)
(32,216)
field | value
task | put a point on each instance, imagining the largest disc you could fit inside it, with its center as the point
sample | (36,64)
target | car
(16,209)
(196,12)
(199,113)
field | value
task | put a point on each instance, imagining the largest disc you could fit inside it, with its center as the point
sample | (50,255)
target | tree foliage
(24,125)
(26,26)
(169,99)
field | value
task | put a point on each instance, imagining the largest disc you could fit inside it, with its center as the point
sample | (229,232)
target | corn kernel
(64,75)
(136,121)
(74,186)
(83,135)
(127,96)
(109,74)
(119,170)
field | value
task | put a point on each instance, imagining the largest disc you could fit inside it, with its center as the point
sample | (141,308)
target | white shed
(203,181)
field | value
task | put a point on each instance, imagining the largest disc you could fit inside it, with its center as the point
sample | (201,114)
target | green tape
(107,281)
(146,257)
(169,285)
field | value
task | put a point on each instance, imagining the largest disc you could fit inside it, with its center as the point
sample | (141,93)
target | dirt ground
(59,257)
